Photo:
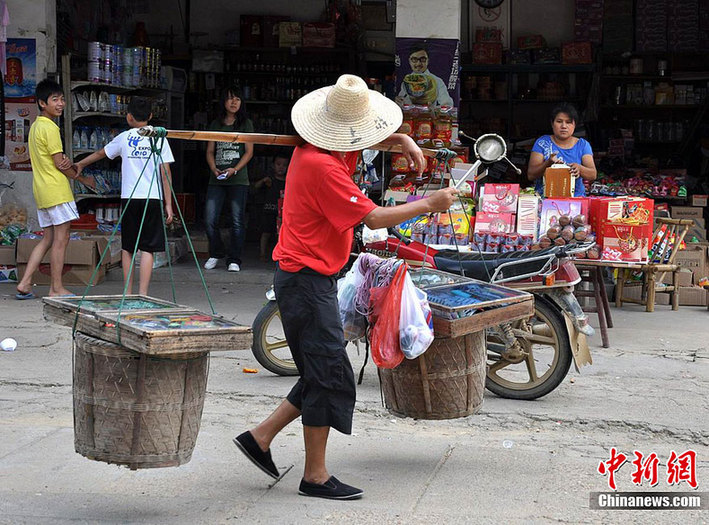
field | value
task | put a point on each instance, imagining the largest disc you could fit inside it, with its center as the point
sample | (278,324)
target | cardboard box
(694,257)
(692,296)
(290,34)
(528,215)
(687,212)
(80,260)
(700,200)
(319,34)
(7,255)
(635,292)
(487,53)
(531,42)
(271,32)
(251,30)
(684,277)
(113,257)
(499,198)
(8,274)
(576,53)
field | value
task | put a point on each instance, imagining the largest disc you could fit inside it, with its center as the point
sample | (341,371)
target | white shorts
(56,215)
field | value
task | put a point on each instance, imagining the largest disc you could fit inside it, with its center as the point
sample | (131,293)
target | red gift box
(499,198)
(636,211)
(487,53)
(623,242)
(494,222)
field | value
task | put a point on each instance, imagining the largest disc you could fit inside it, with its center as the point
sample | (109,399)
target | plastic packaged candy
(461,239)
(445,229)
(418,237)
(526,240)
(497,238)
(399,164)
(492,247)
(480,238)
(512,239)
(445,238)
(431,238)
(505,248)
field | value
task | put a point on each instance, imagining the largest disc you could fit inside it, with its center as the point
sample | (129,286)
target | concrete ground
(514,462)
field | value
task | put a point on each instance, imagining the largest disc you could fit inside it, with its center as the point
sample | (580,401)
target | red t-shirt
(322,206)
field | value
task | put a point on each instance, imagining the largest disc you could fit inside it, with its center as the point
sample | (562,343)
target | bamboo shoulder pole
(260,138)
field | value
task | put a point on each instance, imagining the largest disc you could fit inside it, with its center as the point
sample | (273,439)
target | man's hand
(79,167)
(441,200)
(169,215)
(413,154)
(267,181)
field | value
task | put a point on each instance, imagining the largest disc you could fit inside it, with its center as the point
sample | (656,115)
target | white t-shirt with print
(137,164)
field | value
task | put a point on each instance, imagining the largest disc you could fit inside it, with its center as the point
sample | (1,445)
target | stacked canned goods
(124,66)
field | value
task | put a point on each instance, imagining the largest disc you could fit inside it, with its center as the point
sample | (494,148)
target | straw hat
(345,117)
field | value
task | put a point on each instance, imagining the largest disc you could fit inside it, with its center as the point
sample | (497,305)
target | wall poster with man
(427,71)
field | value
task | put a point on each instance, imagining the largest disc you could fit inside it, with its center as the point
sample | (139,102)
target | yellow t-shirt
(49,185)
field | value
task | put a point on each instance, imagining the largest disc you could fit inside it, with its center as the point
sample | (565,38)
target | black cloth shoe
(247,444)
(331,489)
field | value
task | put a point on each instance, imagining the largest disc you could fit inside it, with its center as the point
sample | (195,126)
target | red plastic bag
(385,305)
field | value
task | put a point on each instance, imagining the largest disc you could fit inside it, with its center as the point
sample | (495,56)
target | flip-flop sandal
(21,296)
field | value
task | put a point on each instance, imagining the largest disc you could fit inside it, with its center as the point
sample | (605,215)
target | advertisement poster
(18,118)
(491,24)
(21,61)
(427,71)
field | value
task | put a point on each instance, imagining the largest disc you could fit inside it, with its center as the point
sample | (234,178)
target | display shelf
(108,118)
(75,84)
(527,68)
(85,114)
(652,106)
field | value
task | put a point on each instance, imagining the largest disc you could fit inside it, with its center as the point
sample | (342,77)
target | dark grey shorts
(325,392)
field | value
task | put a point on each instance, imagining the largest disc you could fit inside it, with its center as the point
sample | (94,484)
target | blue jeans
(236,196)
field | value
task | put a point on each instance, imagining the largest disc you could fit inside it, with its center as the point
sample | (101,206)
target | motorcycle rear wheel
(544,337)
(270,347)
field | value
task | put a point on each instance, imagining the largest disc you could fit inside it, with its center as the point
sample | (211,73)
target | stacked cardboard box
(588,22)
(651,29)
(81,259)
(683,25)
(618,23)
(8,270)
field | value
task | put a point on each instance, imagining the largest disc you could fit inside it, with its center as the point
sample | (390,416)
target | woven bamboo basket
(133,409)
(445,382)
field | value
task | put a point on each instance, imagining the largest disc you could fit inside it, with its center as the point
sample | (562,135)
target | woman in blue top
(562,147)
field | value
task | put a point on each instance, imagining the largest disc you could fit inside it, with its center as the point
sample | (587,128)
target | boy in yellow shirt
(56,208)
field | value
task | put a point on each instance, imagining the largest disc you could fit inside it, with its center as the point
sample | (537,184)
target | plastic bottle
(76,139)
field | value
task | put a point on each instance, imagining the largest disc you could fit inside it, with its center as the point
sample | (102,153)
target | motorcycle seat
(482,266)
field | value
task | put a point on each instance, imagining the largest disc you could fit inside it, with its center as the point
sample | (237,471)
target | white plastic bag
(415,320)
(354,324)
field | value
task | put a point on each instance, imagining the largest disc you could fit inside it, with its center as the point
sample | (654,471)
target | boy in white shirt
(137,172)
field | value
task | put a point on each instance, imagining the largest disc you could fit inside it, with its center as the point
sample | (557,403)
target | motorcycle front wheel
(545,340)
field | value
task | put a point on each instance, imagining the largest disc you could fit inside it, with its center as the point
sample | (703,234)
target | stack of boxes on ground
(695,256)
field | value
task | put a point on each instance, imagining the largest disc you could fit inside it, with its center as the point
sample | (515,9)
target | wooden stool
(594,276)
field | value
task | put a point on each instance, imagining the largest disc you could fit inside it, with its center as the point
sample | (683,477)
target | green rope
(156,154)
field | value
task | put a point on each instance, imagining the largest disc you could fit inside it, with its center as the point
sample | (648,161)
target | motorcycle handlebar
(395,233)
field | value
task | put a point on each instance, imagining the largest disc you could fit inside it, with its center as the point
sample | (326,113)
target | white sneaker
(233,267)
(211,263)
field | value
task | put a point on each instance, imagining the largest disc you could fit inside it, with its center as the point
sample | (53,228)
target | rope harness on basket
(157,141)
